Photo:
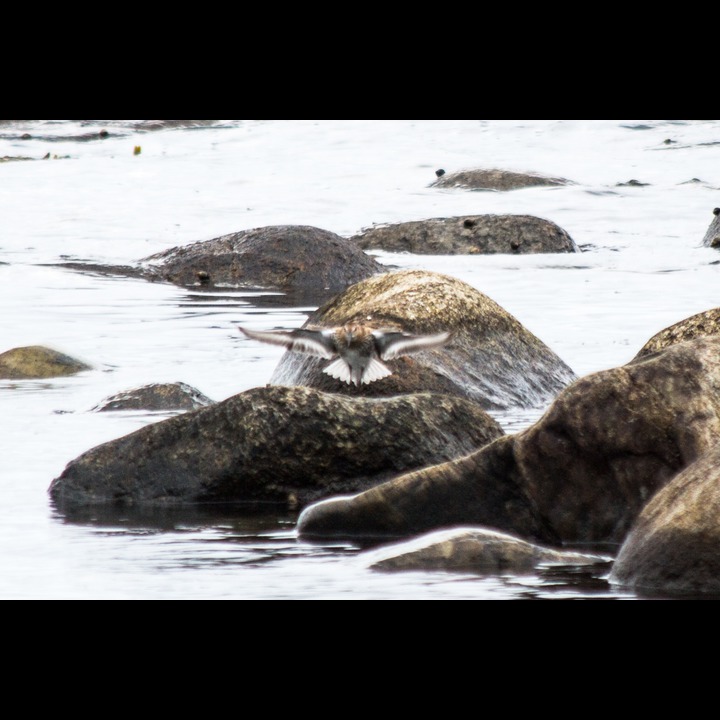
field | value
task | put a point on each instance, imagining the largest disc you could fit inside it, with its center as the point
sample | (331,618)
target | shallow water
(642,268)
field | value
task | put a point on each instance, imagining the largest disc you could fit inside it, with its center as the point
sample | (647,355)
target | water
(642,268)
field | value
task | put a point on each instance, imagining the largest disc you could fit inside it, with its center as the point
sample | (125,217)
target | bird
(360,349)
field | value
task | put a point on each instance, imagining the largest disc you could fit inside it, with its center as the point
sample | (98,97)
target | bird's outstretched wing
(310,342)
(394,344)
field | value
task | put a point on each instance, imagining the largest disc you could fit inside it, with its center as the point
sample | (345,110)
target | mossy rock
(36,362)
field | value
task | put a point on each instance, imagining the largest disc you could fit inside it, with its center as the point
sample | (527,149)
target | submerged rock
(470,234)
(157,396)
(495,180)
(491,358)
(476,550)
(674,546)
(36,361)
(582,473)
(281,445)
(704,323)
(712,236)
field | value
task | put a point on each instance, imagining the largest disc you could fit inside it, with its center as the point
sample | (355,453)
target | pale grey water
(643,268)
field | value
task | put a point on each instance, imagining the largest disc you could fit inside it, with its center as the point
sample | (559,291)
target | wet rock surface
(495,180)
(277,445)
(491,358)
(156,397)
(36,361)
(581,474)
(473,550)
(470,234)
(307,263)
(712,236)
(674,546)
(704,323)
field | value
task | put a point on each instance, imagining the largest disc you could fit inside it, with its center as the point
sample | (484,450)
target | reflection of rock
(582,473)
(495,180)
(704,323)
(712,236)
(476,550)
(35,361)
(274,444)
(674,546)
(469,234)
(158,396)
(491,358)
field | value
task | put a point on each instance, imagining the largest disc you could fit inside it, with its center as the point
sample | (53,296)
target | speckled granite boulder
(580,474)
(704,323)
(469,234)
(674,545)
(35,361)
(491,359)
(712,236)
(156,397)
(273,445)
(495,180)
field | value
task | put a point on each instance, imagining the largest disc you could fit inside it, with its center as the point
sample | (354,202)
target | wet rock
(712,236)
(273,444)
(476,550)
(307,263)
(495,180)
(704,323)
(156,397)
(35,361)
(581,474)
(674,546)
(14,158)
(470,234)
(491,358)
(632,183)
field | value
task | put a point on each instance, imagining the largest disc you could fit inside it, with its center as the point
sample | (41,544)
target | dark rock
(274,444)
(632,183)
(712,236)
(581,474)
(476,550)
(495,180)
(674,545)
(470,234)
(35,361)
(307,263)
(491,358)
(158,396)
(704,323)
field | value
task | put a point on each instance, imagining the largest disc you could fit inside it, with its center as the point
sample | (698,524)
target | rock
(281,445)
(495,180)
(469,234)
(158,396)
(674,545)
(306,263)
(712,236)
(35,361)
(581,474)
(704,323)
(491,359)
(295,259)
(476,550)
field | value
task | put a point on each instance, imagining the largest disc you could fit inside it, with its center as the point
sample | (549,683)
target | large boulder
(156,397)
(274,444)
(674,545)
(36,361)
(704,323)
(491,359)
(475,550)
(304,262)
(712,236)
(469,234)
(494,180)
(581,474)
